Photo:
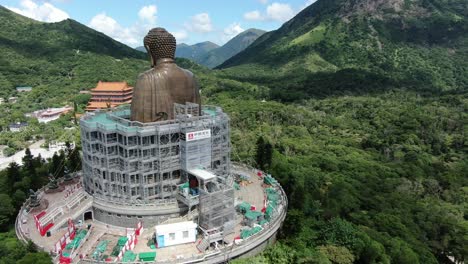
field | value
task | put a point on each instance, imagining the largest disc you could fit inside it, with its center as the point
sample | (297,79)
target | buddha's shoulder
(149,74)
(185,71)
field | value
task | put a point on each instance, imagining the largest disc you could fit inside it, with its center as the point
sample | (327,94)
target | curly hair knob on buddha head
(160,44)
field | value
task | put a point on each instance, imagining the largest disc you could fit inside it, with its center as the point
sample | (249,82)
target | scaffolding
(139,163)
(216,208)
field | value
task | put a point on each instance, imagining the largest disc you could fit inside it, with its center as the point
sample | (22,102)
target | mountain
(210,54)
(337,46)
(195,51)
(141,48)
(237,44)
(59,59)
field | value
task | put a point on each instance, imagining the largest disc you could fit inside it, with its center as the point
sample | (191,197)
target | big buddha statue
(157,89)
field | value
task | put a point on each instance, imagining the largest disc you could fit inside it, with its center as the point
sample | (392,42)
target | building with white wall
(175,234)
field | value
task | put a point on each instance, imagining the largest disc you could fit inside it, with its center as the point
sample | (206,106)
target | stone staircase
(203,245)
(73,213)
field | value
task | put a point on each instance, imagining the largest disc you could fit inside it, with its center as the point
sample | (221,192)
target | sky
(190,21)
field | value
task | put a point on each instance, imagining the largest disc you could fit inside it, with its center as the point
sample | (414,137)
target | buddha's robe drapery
(158,89)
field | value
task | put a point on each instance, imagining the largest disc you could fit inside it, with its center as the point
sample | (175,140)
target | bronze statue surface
(157,89)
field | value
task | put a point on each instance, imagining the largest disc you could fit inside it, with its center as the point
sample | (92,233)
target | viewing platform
(70,211)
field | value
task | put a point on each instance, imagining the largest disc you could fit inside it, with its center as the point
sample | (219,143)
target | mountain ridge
(210,54)
(379,40)
(48,56)
(237,44)
(194,51)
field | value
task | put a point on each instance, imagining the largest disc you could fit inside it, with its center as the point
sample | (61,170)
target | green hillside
(192,52)
(59,59)
(237,44)
(337,46)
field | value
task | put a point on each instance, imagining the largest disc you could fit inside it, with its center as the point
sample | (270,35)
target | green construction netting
(245,233)
(147,256)
(184,186)
(264,221)
(77,240)
(101,247)
(236,186)
(122,241)
(272,197)
(244,207)
(116,250)
(268,212)
(269,180)
(129,256)
(252,215)
(256,229)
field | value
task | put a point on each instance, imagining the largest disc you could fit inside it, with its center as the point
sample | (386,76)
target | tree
(18,198)
(260,158)
(337,255)
(7,210)
(13,175)
(29,169)
(268,155)
(264,154)
(57,166)
(35,258)
(28,160)
(74,159)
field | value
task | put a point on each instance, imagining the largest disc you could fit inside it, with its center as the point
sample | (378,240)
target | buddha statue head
(160,44)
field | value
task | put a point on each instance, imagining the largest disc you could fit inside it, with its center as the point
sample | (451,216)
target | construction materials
(77,240)
(129,256)
(100,248)
(122,240)
(147,256)
(252,215)
(269,180)
(244,207)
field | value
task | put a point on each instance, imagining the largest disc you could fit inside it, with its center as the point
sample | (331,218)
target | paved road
(35,151)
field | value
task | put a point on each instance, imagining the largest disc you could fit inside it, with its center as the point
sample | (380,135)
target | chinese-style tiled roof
(111,86)
(101,105)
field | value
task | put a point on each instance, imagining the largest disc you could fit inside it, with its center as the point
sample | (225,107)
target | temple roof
(100,105)
(111,86)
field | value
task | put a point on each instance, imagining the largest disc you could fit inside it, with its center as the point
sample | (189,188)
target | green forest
(15,183)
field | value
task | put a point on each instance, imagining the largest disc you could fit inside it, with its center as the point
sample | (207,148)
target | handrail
(230,250)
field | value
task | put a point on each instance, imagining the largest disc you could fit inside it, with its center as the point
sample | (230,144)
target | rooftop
(175,227)
(202,174)
(111,86)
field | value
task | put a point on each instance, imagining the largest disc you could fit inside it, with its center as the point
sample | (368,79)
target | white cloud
(180,35)
(263,1)
(279,12)
(148,14)
(132,35)
(44,12)
(231,31)
(109,26)
(253,16)
(200,23)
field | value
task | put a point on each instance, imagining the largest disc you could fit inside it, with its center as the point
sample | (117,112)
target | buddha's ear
(150,55)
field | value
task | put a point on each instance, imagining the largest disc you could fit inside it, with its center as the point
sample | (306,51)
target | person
(157,89)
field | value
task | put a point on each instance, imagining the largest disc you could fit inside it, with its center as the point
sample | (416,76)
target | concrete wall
(125,220)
